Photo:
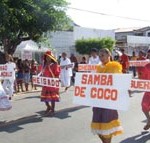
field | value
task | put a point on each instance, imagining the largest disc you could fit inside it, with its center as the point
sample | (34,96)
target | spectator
(33,72)
(26,74)
(83,61)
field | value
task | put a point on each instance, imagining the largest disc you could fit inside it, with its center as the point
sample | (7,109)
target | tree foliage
(28,19)
(84,46)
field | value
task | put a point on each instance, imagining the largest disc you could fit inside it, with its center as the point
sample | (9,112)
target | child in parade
(105,122)
(50,94)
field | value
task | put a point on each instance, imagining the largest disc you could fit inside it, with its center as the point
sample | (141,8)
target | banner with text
(139,63)
(45,81)
(140,85)
(5,72)
(87,67)
(26,55)
(102,90)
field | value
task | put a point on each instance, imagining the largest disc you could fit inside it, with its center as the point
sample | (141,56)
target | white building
(64,41)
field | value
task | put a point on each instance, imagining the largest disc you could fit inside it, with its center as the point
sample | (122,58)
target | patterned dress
(50,93)
(105,121)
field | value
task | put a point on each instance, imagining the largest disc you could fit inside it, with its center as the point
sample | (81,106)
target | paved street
(24,123)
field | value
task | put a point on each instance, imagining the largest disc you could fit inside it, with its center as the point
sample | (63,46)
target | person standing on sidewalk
(50,94)
(105,122)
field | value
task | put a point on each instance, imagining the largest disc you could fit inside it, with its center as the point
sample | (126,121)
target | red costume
(146,98)
(139,69)
(124,60)
(50,93)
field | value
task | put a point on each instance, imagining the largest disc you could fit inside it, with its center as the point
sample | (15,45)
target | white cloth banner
(6,71)
(102,90)
(45,81)
(140,85)
(26,55)
(87,67)
(139,63)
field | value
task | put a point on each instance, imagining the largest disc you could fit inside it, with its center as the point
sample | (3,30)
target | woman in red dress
(50,94)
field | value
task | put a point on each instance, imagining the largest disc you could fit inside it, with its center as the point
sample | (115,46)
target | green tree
(28,19)
(84,46)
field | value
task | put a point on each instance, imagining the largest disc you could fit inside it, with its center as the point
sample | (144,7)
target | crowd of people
(105,122)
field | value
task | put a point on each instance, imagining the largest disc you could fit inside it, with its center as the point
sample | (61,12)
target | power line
(105,14)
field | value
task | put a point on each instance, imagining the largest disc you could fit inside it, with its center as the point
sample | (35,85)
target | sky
(134,9)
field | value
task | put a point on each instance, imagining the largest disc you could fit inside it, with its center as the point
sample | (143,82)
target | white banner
(26,55)
(140,85)
(87,67)
(6,72)
(102,90)
(46,81)
(140,63)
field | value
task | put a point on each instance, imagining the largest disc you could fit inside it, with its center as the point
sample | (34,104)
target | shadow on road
(64,113)
(14,125)
(141,138)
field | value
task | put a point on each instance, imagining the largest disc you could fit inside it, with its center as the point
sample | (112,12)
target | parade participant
(8,84)
(66,71)
(145,74)
(4,101)
(105,122)
(50,94)
(124,60)
(94,59)
(139,69)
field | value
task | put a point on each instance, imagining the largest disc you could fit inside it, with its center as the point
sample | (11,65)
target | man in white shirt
(94,59)
(66,71)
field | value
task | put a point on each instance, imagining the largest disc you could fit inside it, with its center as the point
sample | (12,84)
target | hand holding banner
(46,81)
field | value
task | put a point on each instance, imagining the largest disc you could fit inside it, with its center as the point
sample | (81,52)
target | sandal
(48,110)
(147,126)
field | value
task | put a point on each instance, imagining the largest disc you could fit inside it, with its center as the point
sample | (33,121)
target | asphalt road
(25,122)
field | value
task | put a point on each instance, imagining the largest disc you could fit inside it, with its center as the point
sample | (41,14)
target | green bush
(84,46)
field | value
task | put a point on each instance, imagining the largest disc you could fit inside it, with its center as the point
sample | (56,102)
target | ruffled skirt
(105,122)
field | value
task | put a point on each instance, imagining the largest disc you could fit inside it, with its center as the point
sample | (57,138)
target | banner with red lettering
(5,72)
(45,81)
(140,63)
(26,55)
(102,90)
(87,67)
(140,85)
